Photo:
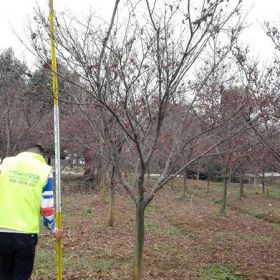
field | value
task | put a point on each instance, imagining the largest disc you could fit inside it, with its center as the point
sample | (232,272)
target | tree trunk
(8,136)
(185,188)
(263,184)
(101,180)
(208,180)
(148,178)
(103,186)
(172,183)
(255,180)
(88,171)
(224,200)
(241,186)
(229,180)
(112,200)
(99,174)
(139,242)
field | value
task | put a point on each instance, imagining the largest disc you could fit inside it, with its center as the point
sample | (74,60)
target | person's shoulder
(6,162)
(7,159)
(48,168)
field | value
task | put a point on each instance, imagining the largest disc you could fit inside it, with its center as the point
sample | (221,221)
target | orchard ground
(186,238)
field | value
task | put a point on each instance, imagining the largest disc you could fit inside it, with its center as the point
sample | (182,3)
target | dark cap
(36,148)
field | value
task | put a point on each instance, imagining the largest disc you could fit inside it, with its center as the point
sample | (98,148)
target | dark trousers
(17,252)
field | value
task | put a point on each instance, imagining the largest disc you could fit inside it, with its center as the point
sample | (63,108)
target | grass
(44,261)
(152,207)
(184,239)
(266,200)
(218,272)
(172,231)
(89,210)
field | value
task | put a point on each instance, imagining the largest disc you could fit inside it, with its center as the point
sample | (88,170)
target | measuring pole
(56,142)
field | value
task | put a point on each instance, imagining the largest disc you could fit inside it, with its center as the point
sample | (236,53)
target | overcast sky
(14,15)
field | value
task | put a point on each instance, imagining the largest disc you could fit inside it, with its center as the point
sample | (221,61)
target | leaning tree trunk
(224,200)
(172,183)
(139,242)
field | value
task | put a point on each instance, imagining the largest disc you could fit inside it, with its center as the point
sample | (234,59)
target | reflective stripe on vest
(22,179)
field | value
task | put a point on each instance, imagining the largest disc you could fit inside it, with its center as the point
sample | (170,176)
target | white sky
(14,15)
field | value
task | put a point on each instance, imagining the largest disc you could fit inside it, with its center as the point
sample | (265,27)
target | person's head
(38,149)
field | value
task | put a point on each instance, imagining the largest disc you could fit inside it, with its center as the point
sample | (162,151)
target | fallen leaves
(182,238)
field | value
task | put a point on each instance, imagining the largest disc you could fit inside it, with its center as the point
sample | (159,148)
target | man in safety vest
(26,193)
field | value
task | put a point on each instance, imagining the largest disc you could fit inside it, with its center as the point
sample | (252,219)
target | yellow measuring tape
(56,140)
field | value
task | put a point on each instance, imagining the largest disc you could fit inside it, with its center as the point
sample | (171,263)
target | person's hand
(58,234)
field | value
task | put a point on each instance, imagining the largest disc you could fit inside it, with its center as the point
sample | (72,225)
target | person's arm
(47,207)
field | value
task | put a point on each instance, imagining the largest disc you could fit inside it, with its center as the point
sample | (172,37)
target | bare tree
(19,120)
(263,85)
(136,71)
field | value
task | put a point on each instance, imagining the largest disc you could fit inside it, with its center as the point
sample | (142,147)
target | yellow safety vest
(22,179)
